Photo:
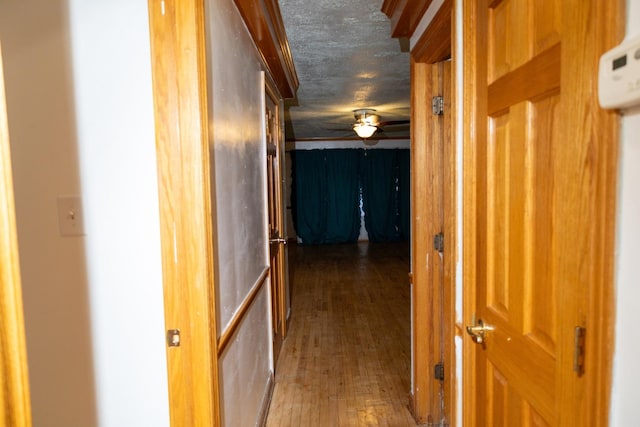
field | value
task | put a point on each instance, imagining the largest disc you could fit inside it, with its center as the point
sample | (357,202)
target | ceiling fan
(368,122)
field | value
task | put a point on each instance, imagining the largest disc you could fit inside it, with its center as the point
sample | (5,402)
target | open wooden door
(181,105)
(277,240)
(15,402)
(433,232)
(433,224)
(182,144)
(539,190)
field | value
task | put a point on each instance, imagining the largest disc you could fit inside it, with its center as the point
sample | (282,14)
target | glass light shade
(364,130)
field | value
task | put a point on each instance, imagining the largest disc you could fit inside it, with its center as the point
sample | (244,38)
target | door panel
(276,224)
(516,286)
(518,31)
(539,155)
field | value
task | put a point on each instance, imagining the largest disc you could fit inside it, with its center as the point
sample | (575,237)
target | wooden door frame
(15,400)
(434,45)
(179,71)
(182,145)
(427,80)
(272,93)
(433,207)
(591,136)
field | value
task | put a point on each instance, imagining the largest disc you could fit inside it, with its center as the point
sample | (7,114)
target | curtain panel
(404,194)
(328,185)
(386,194)
(327,193)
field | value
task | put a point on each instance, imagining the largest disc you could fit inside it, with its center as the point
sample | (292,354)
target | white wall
(625,410)
(238,153)
(80,119)
(115,128)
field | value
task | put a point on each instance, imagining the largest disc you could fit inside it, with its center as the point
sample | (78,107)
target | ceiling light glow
(364,130)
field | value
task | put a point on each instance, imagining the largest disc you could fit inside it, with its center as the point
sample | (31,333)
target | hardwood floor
(347,358)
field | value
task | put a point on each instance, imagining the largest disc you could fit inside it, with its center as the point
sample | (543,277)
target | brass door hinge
(438,242)
(438,371)
(437,105)
(579,336)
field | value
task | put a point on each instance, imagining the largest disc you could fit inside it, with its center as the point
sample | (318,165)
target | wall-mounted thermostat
(619,76)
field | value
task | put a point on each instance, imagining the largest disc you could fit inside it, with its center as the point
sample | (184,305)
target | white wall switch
(70,216)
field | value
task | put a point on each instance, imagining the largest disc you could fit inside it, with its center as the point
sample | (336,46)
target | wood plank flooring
(347,358)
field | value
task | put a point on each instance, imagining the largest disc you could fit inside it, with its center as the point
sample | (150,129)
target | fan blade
(343,129)
(393,122)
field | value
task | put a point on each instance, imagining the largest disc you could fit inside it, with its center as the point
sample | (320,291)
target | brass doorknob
(478,330)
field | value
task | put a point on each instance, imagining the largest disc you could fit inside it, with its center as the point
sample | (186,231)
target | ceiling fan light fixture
(364,130)
(366,115)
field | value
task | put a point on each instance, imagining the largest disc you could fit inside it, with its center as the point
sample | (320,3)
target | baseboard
(266,402)
(412,410)
(411,405)
(288,320)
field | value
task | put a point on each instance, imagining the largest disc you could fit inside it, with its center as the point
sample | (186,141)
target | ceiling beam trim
(405,15)
(264,21)
(434,44)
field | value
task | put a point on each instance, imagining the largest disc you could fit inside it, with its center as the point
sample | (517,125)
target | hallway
(347,358)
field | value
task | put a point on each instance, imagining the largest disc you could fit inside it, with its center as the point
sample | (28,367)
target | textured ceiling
(345,59)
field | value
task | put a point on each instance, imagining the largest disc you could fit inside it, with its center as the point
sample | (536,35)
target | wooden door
(15,402)
(538,181)
(433,213)
(179,64)
(277,240)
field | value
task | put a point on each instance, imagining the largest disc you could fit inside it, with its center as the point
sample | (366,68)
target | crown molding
(405,15)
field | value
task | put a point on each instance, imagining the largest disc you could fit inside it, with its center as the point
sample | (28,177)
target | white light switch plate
(70,216)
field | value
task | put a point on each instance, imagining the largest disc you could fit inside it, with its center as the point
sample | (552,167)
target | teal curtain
(343,194)
(310,192)
(404,194)
(386,194)
(326,195)
(380,196)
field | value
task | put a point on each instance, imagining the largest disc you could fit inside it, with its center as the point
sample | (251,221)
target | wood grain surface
(346,360)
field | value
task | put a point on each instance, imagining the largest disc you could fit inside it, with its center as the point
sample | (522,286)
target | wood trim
(266,402)
(424,82)
(240,314)
(590,136)
(435,43)
(180,105)
(280,222)
(15,401)
(456,259)
(405,15)
(435,224)
(434,210)
(449,227)
(433,276)
(264,22)
(472,126)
